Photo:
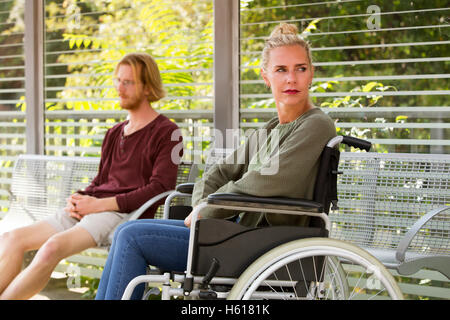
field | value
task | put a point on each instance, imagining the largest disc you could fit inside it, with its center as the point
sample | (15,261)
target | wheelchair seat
(234,247)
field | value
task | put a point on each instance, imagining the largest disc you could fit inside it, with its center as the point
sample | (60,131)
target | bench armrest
(138,212)
(281,203)
(409,236)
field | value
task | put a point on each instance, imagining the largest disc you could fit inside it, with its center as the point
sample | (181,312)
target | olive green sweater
(258,168)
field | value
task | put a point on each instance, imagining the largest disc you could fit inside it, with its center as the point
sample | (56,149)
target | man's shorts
(99,225)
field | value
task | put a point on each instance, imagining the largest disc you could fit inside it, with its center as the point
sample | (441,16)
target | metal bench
(40,187)
(396,206)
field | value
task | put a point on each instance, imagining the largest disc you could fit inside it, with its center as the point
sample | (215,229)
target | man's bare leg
(15,243)
(59,246)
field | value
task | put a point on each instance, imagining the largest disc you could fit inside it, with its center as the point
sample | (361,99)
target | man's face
(130,94)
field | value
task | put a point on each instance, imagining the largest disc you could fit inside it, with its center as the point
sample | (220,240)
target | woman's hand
(187,221)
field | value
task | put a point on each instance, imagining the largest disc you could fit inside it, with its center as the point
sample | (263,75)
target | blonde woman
(301,132)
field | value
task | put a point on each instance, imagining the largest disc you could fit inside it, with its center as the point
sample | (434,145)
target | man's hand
(80,205)
(71,207)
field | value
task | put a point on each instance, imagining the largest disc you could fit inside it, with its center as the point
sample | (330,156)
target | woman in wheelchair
(299,132)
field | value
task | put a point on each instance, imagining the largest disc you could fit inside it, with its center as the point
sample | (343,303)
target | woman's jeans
(138,244)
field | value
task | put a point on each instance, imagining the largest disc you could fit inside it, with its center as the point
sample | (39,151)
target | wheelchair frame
(196,286)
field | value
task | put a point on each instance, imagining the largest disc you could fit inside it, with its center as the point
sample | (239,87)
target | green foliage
(177,34)
(90,37)
(331,25)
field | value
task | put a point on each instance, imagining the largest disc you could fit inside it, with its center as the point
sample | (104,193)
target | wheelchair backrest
(325,188)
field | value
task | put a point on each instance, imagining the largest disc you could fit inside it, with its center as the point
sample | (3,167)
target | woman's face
(289,75)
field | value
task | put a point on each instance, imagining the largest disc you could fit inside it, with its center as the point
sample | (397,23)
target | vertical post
(226,67)
(34,75)
(437,133)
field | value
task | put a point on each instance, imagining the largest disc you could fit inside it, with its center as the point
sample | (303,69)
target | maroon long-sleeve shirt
(136,167)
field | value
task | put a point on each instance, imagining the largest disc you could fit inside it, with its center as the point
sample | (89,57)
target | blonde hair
(285,34)
(145,70)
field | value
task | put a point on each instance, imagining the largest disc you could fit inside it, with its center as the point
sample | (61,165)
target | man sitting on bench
(136,164)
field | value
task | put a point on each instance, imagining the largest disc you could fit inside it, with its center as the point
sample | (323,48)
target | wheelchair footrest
(236,247)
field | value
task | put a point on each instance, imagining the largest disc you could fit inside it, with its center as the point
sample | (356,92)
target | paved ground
(57,289)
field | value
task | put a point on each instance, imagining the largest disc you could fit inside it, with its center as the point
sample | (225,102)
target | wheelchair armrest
(185,187)
(282,203)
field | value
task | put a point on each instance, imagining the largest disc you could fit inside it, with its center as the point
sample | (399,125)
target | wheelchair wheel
(316,269)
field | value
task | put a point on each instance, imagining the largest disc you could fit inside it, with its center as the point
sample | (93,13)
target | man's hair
(145,71)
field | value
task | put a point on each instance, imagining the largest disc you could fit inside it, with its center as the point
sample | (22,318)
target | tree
(90,37)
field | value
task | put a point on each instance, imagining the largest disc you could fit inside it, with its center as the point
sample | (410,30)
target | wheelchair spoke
(293,282)
(281,287)
(375,295)
(275,291)
(356,287)
(303,273)
(315,271)
(333,277)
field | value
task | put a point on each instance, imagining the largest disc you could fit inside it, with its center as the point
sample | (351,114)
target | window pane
(12,92)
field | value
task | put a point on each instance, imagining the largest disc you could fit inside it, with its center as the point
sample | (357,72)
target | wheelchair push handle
(357,143)
(350,141)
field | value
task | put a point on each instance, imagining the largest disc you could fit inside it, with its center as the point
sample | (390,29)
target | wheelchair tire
(316,269)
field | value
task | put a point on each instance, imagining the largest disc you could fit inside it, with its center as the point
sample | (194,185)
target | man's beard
(131,103)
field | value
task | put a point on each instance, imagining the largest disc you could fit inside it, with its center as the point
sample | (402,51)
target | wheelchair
(230,261)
